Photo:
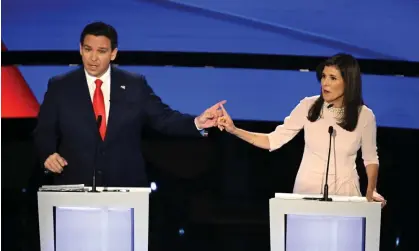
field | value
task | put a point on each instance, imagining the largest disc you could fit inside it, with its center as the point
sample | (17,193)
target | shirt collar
(105,77)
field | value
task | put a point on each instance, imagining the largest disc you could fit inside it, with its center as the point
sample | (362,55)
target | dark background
(216,189)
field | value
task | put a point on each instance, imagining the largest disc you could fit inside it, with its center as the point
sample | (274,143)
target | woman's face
(333,86)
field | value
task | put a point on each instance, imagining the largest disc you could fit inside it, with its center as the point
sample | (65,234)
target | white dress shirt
(106,88)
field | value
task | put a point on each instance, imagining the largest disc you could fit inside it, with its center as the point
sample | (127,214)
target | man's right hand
(55,163)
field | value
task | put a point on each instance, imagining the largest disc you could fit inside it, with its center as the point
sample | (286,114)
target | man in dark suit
(94,116)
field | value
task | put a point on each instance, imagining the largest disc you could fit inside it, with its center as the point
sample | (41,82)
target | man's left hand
(210,116)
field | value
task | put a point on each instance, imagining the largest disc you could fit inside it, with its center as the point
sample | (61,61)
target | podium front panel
(297,224)
(95,229)
(326,233)
(94,221)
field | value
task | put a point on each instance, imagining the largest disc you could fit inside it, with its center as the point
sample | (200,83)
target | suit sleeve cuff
(203,132)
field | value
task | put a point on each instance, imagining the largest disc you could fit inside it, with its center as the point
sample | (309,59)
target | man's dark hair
(352,96)
(100,29)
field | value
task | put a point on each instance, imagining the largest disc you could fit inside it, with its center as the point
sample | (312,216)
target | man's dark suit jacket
(67,125)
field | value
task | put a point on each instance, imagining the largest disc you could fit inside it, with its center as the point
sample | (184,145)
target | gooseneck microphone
(98,124)
(326,185)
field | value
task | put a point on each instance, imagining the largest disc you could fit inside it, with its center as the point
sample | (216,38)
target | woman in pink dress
(339,105)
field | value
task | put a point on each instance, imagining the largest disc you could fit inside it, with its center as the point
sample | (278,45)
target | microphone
(98,123)
(329,106)
(326,186)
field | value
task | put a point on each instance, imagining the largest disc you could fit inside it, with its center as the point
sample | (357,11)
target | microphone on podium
(326,185)
(98,123)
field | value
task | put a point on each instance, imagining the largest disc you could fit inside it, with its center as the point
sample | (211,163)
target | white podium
(344,224)
(74,219)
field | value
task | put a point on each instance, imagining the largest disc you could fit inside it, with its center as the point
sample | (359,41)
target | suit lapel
(117,96)
(82,93)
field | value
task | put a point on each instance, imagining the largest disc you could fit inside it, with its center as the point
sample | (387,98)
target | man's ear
(81,49)
(114,53)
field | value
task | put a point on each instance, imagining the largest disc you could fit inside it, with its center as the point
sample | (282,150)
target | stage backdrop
(367,29)
(373,29)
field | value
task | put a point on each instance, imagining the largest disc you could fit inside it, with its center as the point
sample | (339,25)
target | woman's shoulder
(366,114)
(308,101)
(366,111)
(311,99)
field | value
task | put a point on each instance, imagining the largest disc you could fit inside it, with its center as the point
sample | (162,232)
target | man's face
(96,54)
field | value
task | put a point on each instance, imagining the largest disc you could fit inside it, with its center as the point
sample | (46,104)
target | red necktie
(99,107)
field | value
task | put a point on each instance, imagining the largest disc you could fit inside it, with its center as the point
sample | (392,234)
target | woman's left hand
(373,195)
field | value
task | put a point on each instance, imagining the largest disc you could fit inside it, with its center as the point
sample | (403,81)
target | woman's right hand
(225,122)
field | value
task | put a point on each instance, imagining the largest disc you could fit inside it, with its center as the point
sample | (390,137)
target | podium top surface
(82,188)
(82,196)
(337,198)
(310,204)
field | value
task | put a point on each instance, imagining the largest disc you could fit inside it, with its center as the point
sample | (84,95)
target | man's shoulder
(128,75)
(136,81)
(67,77)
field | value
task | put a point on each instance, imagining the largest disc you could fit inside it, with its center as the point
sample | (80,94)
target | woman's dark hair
(100,29)
(352,96)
